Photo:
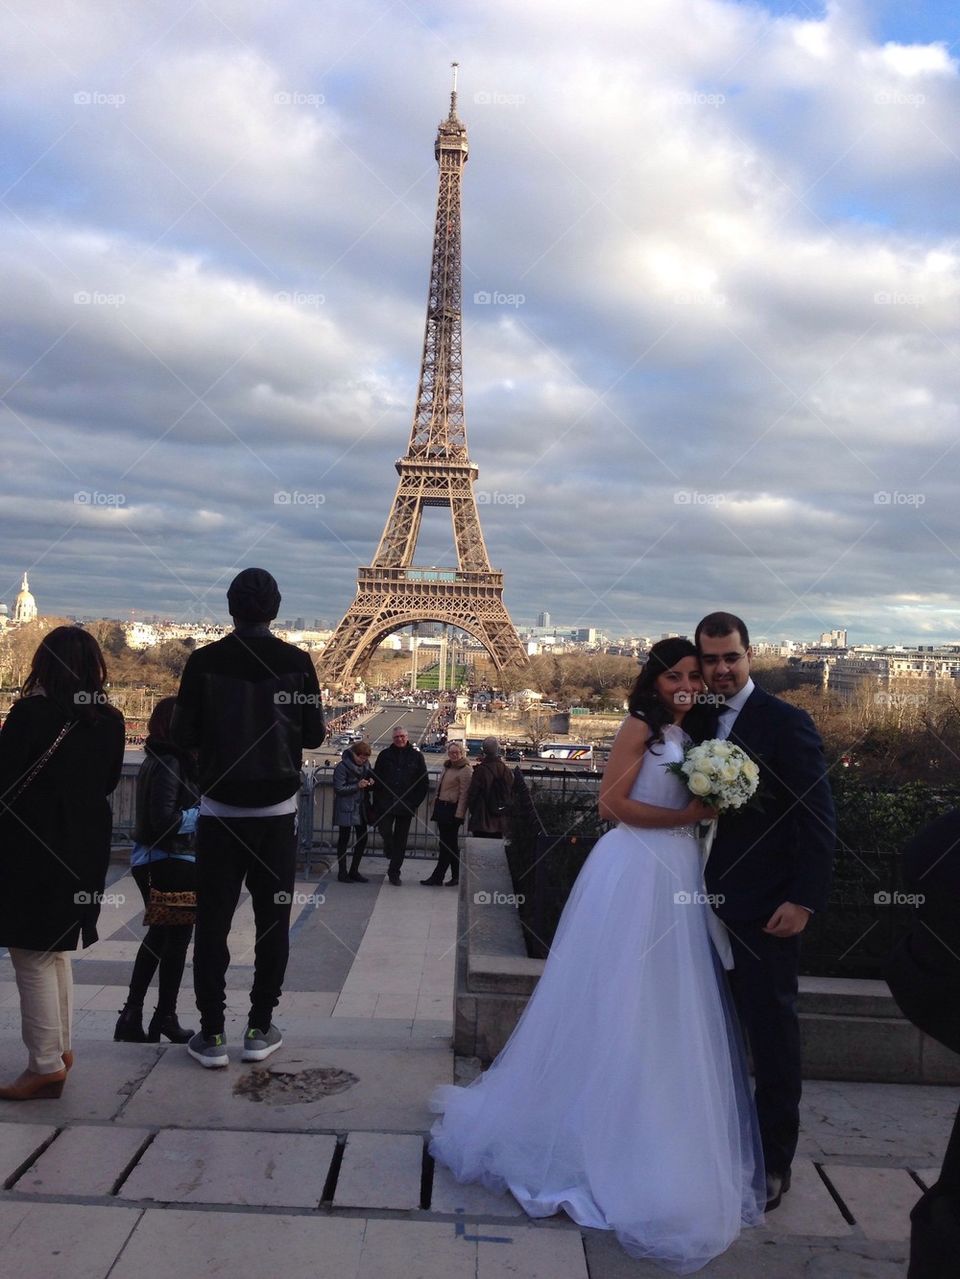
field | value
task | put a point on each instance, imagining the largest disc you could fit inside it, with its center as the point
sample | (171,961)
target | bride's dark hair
(645,701)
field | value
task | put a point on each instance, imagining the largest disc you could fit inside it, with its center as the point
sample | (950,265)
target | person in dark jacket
(248,704)
(163,857)
(352,781)
(769,870)
(401,787)
(923,974)
(61,753)
(489,796)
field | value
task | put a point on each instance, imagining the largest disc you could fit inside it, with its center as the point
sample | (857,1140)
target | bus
(566,750)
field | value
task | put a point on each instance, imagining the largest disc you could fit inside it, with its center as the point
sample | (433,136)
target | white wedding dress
(622,1095)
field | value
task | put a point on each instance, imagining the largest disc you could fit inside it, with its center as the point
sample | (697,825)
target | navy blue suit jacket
(783,851)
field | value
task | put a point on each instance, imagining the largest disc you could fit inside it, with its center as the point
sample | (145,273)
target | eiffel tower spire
(435,471)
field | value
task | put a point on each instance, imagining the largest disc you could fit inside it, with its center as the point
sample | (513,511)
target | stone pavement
(314,1163)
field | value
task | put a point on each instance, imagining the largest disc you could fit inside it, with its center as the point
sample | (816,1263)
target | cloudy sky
(720,366)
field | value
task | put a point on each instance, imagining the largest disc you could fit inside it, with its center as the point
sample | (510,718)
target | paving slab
(471,1199)
(387,1091)
(200,1245)
(880,1199)
(102,1080)
(535,1252)
(282,1170)
(929,1176)
(84,1160)
(18,1143)
(808,1208)
(380,1170)
(419,1250)
(47,1240)
(910,1121)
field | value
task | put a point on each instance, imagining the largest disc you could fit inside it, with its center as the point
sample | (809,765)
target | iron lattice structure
(436,471)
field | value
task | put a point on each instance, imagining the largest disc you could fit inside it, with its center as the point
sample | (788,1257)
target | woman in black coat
(163,858)
(61,753)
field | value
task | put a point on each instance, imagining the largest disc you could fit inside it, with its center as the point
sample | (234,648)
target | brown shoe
(31,1087)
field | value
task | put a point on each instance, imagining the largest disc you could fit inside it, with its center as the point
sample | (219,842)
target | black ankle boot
(129,1028)
(166,1024)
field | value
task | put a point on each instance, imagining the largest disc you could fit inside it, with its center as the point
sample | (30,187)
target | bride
(622,1095)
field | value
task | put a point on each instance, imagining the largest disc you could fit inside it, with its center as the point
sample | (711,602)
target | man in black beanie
(248,704)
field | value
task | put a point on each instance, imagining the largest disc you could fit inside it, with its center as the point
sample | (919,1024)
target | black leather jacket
(165,787)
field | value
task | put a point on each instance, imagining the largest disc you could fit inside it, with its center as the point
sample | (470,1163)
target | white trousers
(45,983)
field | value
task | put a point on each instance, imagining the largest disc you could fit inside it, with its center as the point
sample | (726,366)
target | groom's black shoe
(778,1183)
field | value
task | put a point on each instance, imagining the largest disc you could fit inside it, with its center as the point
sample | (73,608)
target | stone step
(380,1170)
(879,1199)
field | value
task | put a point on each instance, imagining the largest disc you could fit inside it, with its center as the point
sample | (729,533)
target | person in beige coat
(449,810)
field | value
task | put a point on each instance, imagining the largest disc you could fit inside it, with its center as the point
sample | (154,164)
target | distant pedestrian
(491,787)
(449,810)
(163,859)
(61,753)
(352,783)
(248,703)
(401,787)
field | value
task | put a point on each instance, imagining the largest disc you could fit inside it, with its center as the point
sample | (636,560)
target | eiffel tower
(436,471)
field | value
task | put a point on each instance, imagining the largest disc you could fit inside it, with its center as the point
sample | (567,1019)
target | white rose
(700,784)
(750,770)
(729,772)
(723,749)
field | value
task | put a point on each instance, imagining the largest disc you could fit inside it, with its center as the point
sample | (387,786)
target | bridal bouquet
(721,774)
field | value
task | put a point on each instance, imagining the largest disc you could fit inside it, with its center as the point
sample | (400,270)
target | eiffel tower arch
(435,471)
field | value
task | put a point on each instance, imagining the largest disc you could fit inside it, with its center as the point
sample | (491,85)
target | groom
(770,871)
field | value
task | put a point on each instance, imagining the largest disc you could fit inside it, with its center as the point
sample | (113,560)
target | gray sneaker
(258,1044)
(208,1050)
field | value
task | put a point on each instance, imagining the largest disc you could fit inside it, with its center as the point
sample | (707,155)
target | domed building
(25,609)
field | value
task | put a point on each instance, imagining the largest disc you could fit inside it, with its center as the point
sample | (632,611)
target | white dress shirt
(732,708)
